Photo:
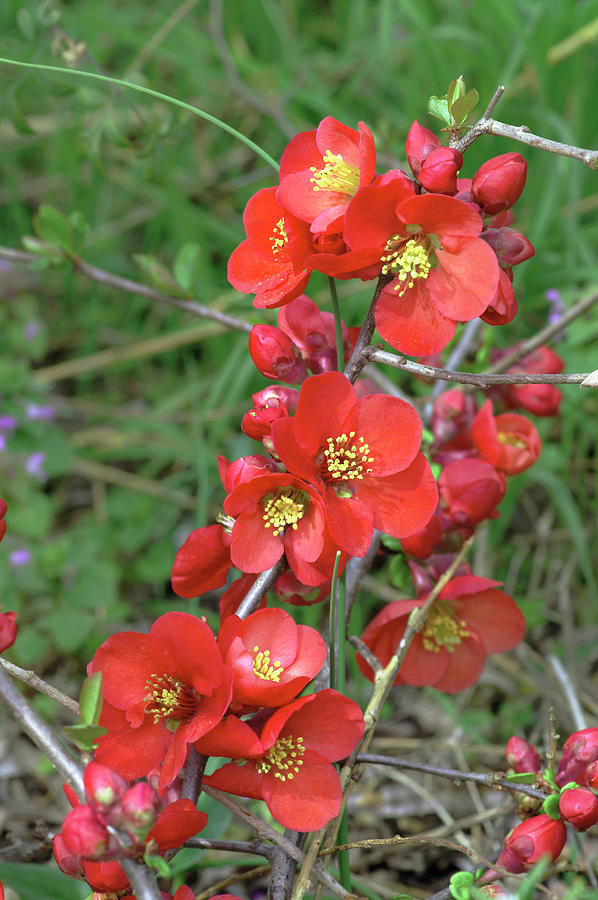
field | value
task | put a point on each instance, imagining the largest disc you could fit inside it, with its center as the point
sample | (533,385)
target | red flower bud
(274,355)
(509,442)
(579,807)
(471,489)
(498,183)
(8,629)
(291,590)
(103,787)
(243,469)
(511,247)
(84,835)
(3,509)
(503,308)
(138,808)
(579,751)
(522,756)
(438,172)
(276,393)
(419,144)
(65,860)
(530,841)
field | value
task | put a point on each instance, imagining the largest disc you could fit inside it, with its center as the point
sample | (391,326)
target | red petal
(243,781)
(202,562)
(330,724)
(422,666)
(178,822)
(402,503)
(197,660)
(232,737)
(325,403)
(440,215)
(132,752)
(350,521)
(465,667)
(412,324)
(309,800)
(464,282)
(391,428)
(297,460)
(254,548)
(495,619)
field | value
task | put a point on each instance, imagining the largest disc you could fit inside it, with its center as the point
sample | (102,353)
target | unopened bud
(438,172)
(103,786)
(8,630)
(84,835)
(498,183)
(419,144)
(66,861)
(274,355)
(579,807)
(530,841)
(138,808)
(521,755)
(579,751)
(511,247)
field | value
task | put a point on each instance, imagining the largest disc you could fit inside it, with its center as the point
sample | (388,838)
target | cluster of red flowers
(573,799)
(443,246)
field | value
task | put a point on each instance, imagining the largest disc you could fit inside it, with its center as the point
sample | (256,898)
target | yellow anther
(279,238)
(443,628)
(344,461)
(264,668)
(286,507)
(283,757)
(337,175)
(405,261)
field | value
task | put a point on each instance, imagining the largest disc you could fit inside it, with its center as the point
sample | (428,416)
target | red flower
(521,755)
(312,331)
(530,841)
(509,442)
(202,563)
(274,356)
(162,691)
(271,262)
(471,489)
(469,620)
(580,749)
(289,765)
(8,629)
(321,170)
(363,454)
(276,514)
(539,399)
(272,657)
(579,807)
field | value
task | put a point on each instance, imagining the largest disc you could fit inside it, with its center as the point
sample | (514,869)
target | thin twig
(142,880)
(358,358)
(363,650)
(40,733)
(522,134)
(194,769)
(495,98)
(282,871)
(491,779)
(102,276)
(260,586)
(257,847)
(28,676)
(482,380)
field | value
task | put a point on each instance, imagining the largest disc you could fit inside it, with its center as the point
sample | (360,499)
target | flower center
(443,628)
(286,507)
(279,238)
(345,460)
(284,757)
(507,437)
(264,668)
(169,698)
(406,260)
(337,175)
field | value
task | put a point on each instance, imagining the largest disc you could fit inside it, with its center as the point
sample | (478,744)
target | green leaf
(398,572)
(157,272)
(460,885)
(91,698)
(158,863)
(45,251)
(456,90)
(438,107)
(391,543)
(521,777)
(51,226)
(187,266)
(84,737)
(551,806)
(26,23)
(32,881)
(462,107)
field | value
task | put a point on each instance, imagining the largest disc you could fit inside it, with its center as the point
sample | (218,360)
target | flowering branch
(358,358)
(102,276)
(28,676)
(491,779)
(260,586)
(375,354)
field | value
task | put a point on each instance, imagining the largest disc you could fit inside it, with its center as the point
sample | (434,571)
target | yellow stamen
(284,757)
(337,175)
(279,238)
(405,261)
(264,668)
(169,698)
(286,507)
(443,628)
(346,460)
(507,437)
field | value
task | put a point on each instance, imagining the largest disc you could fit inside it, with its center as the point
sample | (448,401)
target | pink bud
(8,629)
(579,751)
(530,841)
(103,786)
(84,835)
(65,860)
(522,756)
(274,355)
(579,807)
(511,247)
(419,144)
(439,169)
(138,808)
(498,183)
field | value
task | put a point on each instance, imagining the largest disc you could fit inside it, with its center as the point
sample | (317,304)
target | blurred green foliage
(148,191)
